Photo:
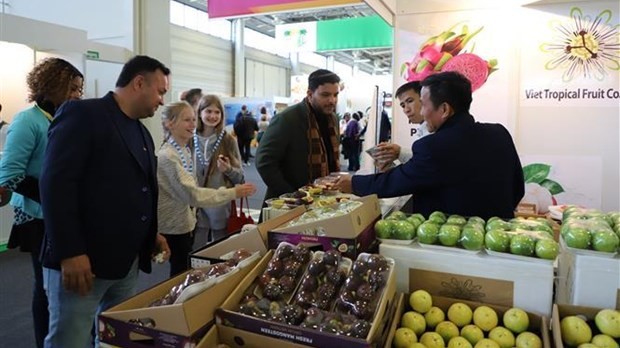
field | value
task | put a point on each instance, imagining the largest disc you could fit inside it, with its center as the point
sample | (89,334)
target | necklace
(188,167)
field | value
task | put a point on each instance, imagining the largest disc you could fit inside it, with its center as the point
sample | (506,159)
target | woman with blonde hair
(178,189)
(218,163)
(50,83)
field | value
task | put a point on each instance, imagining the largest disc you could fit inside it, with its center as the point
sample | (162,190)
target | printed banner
(239,8)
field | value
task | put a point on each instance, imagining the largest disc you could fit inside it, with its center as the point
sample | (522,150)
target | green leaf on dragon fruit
(553,187)
(535,172)
(403,68)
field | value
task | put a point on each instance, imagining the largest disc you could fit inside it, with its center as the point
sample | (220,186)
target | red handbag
(237,220)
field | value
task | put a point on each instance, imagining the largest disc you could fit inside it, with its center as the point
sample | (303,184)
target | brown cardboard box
(538,324)
(238,338)
(351,234)
(560,311)
(276,333)
(176,325)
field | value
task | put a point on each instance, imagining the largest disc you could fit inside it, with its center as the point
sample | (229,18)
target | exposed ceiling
(377,61)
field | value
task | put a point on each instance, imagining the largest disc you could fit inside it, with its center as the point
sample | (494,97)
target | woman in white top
(218,164)
(178,189)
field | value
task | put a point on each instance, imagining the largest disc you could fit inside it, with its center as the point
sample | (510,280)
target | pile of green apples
(429,326)
(577,332)
(591,229)
(531,237)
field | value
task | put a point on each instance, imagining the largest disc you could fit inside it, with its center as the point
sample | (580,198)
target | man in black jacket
(465,167)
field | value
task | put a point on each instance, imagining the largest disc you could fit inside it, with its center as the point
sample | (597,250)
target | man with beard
(301,143)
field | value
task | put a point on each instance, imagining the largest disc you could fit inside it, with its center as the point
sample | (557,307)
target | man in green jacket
(301,143)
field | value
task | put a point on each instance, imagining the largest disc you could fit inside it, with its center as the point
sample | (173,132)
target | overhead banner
(241,8)
(297,37)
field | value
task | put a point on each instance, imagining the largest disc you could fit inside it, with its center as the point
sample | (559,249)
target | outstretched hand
(245,190)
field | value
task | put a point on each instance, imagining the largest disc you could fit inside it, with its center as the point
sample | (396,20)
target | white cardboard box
(587,280)
(474,276)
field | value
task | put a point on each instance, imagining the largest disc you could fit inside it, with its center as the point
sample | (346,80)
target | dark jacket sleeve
(271,153)
(29,188)
(67,154)
(519,182)
(419,173)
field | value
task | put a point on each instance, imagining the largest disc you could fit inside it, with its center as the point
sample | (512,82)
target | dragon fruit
(471,66)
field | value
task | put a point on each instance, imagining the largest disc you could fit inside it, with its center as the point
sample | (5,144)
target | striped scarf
(318,165)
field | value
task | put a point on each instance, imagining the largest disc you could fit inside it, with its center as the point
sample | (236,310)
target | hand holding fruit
(244,190)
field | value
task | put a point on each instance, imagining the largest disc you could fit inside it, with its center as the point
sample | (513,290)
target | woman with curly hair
(50,83)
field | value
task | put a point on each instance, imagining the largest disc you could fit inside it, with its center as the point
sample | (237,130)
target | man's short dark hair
(139,65)
(192,96)
(449,87)
(409,86)
(320,77)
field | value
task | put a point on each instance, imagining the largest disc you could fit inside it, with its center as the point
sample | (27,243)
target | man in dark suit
(99,199)
(465,167)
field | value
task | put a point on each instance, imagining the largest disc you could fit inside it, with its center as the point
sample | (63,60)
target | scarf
(318,165)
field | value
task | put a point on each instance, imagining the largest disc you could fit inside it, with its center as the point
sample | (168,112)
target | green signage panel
(353,33)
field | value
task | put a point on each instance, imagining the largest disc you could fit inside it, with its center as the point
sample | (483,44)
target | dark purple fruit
(264,279)
(249,297)
(331,258)
(359,267)
(323,303)
(302,254)
(275,268)
(347,296)
(360,329)
(328,327)
(326,291)
(292,267)
(376,279)
(284,251)
(305,297)
(240,255)
(352,283)
(287,284)
(275,311)
(293,314)
(248,309)
(335,276)
(362,310)
(316,268)
(377,262)
(218,269)
(263,304)
(314,317)
(365,292)
(192,277)
(309,283)
(272,292)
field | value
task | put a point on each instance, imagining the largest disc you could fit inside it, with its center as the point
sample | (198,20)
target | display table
(473,276)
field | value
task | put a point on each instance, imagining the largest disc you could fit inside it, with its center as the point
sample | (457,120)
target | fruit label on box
(478,289)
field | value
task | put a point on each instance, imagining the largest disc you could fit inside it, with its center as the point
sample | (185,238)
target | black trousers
(244,148)
(180,247)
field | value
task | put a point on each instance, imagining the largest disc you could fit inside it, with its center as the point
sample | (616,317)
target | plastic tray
(451,249)
(255,256)
(397,241)
(519,257)
(588,252)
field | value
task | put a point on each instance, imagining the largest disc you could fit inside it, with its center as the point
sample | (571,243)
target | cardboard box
(277,333)
(560,311)
(474,276)
(351,234)
(254,239)
(238,338)
(538,324)
(588,280)
(176,325)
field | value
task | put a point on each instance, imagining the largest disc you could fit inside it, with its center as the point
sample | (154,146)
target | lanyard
(188,167)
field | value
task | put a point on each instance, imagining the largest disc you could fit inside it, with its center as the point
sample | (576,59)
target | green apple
(404,337)
(419,217)
(459,342)
(403,230)
(502,336)
(606,241)
(397,215)
(416,345)
(434,316)
(449,234)
(414,321)
(547,249)
(472,333)
(522,244)
(587,345)
(575,331)
(497,240)
(604,341)
(384,229)
(421,301)
(438,215)
(460,314)
(472,238)
(428,233)
(456,220)
(432,340)
(447,330)
(527,339)
(486,343)
(414,220)
(608,322)
(577,238)
(498,225)
(485,318)
(477,220)
(516,320)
